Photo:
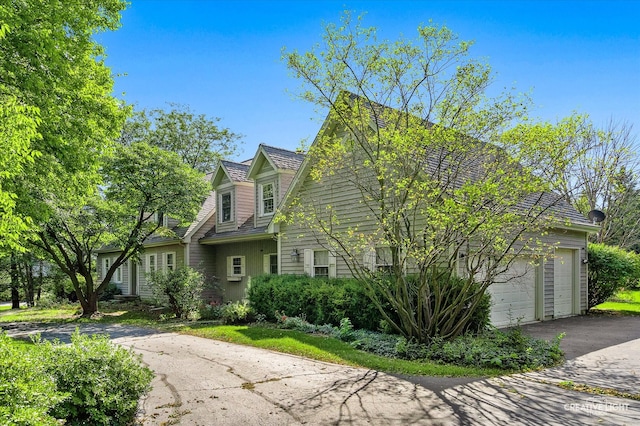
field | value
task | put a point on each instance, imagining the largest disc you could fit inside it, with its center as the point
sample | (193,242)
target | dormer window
(225,207)
(267,199)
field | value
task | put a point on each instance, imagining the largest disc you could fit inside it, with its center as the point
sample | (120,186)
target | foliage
(105,380)
(197,139)
(110,291)
(510,350)
(27,390)
(610,269)
(446,181)
(180,288)
(320,301)
(140,181)
(239,312)
(211,311)
(57,110)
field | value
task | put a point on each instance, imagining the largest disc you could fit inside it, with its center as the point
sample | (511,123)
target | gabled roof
(280,159)
(206,211)
(236,172)
(554,202)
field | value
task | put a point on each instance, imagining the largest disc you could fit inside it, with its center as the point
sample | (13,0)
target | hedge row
(322,301)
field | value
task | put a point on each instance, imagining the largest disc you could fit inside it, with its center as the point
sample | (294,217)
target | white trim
(165,261)
(261,199)
(221,210)
(148,262)
(230,267)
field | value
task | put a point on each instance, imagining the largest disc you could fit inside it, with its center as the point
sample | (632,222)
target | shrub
(180,288)
(27,391)
(109,291)
(610,270)
(321,301)
(105,380)
(511,350)
(237,313)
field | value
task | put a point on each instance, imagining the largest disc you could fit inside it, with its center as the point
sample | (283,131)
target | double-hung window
(225,207)
(169,261)
(152,263)
(235,268)
(319,263)
(106,264)
(267,199)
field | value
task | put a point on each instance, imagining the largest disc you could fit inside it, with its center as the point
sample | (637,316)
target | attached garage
(563,279)
(513,295)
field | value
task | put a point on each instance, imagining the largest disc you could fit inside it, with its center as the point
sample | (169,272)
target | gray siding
(244,202)
(253,252)
(347,205)
(144,291)
(203,258)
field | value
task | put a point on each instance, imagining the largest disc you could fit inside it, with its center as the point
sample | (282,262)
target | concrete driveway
(206,382)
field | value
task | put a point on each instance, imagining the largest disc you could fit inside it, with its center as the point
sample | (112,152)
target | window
(151,263)
(266,199)
(235,267)
(160,219)
(270,263)
(169,261)
(384,261)
(225,207)
(319,263)
(106,264)
(118,275)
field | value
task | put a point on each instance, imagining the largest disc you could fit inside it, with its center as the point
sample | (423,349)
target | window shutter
(266,263)
(370,259)
(332,265)
(229,266)
(308,262)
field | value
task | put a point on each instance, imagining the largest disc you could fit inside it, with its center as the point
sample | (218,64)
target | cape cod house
(235,238)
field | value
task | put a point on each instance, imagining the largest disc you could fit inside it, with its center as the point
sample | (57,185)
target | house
(235,237)
(165,252)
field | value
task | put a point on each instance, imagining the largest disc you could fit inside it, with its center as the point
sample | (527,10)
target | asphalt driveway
(207,382)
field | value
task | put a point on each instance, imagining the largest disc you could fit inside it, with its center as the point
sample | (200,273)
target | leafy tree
(195,138)
(57,111)
(448,184)
(139,181)
(180,288)
(604,176)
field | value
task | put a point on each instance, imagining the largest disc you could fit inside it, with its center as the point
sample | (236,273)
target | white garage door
(563,283)
(513,297)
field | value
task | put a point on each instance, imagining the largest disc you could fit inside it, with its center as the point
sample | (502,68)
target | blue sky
(222,58)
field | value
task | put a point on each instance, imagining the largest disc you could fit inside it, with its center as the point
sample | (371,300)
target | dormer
(235,195)
(272,170)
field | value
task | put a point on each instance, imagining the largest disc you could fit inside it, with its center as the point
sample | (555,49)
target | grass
(121,313)
(626,302)
(328,349)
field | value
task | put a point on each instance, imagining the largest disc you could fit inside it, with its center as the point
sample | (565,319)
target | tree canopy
(196,138)
(57,109)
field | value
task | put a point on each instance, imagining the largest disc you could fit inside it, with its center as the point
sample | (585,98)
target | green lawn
(327,349)
(625,302)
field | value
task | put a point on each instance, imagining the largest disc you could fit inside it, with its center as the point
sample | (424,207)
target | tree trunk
(15,284)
